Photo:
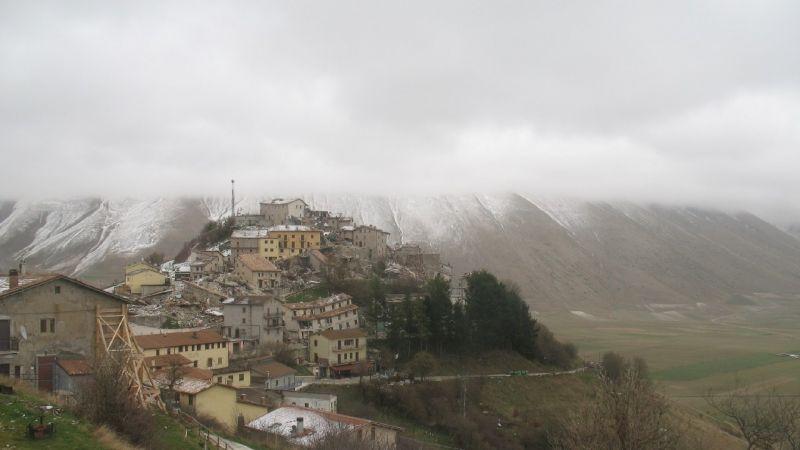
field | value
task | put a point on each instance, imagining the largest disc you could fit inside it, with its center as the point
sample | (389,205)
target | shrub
(107,400)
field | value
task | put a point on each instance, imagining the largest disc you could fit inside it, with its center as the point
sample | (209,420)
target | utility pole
(233,201)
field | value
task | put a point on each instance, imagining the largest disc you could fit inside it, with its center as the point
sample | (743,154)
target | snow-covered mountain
(585,255)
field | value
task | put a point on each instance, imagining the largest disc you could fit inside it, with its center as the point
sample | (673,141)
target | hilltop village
(233,329)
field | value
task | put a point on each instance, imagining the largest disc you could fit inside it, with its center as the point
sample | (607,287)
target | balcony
(345,348)
(10,345)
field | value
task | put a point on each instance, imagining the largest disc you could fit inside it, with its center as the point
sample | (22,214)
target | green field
(692,357)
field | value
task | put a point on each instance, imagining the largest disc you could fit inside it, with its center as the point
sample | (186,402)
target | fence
(201,432)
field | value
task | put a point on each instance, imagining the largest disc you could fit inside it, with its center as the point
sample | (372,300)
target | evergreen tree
(500,316)
(459,335)
(422,322)
(396,332)
(409,323)
(376,309)
(439,311)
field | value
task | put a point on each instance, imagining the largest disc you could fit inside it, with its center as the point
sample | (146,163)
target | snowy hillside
(559,251)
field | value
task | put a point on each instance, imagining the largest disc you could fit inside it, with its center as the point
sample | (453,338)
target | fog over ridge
(687,102)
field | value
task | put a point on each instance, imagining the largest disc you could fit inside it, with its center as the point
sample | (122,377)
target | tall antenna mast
(233,201)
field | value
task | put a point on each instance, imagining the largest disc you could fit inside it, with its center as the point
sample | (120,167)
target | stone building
(339,352)
(257,272)
(205,348)
(42,317)
(282,212)
(286,241)
(142,278)
(246,241)
(274,375)
(334,312)
(373,240)
(253,320)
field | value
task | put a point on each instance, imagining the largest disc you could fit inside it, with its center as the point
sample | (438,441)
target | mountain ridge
(561,253)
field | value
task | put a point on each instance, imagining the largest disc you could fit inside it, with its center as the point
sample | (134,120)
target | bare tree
(107,399)
(345,439)
(422,364)
(627,414)
(173,375)
(764,420)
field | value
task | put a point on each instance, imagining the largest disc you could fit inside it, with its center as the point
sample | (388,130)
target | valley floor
(690,358)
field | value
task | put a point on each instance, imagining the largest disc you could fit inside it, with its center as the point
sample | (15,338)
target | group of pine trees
(493,316)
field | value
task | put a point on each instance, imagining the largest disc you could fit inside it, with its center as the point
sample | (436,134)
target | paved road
(355,380)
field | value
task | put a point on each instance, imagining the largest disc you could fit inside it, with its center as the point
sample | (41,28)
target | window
(219,379)
(158,352)
(241,377)
(191,400)
(306,405)
(244,309)
(315,343)
(58,289)
(244,320)
(47,325)
(195,363)
(219,361)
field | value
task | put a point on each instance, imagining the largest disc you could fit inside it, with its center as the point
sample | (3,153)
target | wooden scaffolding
(115,339)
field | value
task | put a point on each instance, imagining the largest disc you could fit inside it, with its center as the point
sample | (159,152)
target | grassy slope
(17,410)
(525,405)
(488,363)
(350,403)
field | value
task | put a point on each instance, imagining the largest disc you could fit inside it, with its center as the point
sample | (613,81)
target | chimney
(263,400)
(242,397)
(13,278)
(299,429)
(22,267)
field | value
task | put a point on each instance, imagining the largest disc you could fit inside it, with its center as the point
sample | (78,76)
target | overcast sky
(685,101)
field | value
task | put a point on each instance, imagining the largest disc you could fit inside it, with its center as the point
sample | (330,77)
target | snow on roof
(290,228)
(348,228)
(315,423)
(252,233)
(229,300)
(23,280)
(214,312)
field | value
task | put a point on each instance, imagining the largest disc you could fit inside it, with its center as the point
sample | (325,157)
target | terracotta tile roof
(327,314)
(75,366)
(151,341)
(274,369)
(349,333)
(167,360)
(257,263)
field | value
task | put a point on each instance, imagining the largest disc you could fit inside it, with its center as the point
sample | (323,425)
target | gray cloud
(666,101)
